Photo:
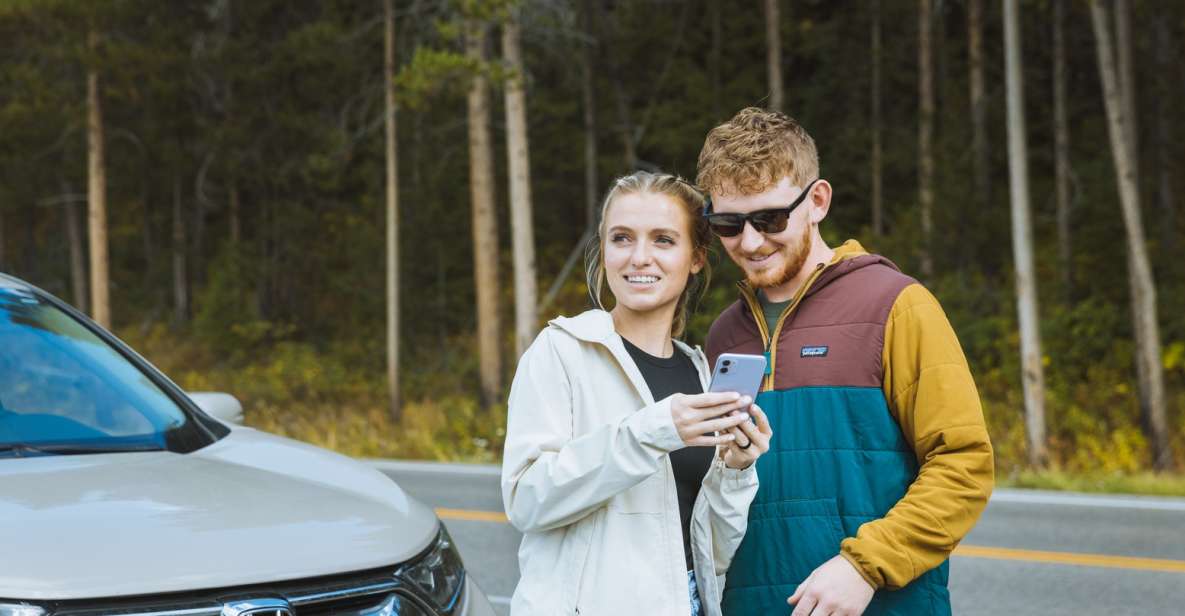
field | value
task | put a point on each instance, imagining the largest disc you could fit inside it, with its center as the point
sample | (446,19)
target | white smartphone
(739,373)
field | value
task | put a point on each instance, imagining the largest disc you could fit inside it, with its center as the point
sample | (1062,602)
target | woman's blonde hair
(683,193)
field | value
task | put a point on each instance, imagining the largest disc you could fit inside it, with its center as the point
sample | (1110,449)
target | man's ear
(820,201)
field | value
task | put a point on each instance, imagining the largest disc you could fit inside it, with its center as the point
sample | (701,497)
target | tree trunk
(773,54)
(394,400)
(878,222)
(1126,74)
(625,124)
(148,243)
(236,215)
(1143,288)
(97,194)
(979,138)
(925,135)
(588,92)
(197,253)
(77,256)
(716,58)
(1022,243)
(1061,149)
(180,269)
(1165,54)
(938,41)
(519,163)
(31,265)
(485,222)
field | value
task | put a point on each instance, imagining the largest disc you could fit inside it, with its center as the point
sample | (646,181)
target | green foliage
(433,73)
(1138,483)
(292,389)
(281,104)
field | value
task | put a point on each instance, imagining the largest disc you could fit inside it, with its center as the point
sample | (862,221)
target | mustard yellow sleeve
(932,396)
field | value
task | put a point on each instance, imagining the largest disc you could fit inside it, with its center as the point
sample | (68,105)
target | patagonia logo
(814,351)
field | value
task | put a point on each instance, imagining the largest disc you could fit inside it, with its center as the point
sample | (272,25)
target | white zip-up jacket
(587,479)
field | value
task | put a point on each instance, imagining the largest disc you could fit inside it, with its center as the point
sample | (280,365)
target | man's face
(768,259)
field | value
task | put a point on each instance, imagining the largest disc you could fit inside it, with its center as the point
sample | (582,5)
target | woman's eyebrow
(657,231)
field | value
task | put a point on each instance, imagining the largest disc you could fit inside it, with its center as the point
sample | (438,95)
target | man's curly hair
(753,151)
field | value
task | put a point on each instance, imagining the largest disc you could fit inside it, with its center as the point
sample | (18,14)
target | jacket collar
(596,326)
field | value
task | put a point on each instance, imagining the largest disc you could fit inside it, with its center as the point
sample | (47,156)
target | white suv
(119,495)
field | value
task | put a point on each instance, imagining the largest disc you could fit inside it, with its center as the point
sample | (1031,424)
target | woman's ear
(698,260)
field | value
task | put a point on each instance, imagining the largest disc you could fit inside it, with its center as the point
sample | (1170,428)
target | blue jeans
(697,608)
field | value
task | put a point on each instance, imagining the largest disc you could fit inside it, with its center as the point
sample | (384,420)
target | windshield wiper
(29,450)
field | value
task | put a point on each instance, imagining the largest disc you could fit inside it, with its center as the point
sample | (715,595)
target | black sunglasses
(772,220)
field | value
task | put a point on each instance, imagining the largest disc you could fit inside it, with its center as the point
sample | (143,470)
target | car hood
(250,508)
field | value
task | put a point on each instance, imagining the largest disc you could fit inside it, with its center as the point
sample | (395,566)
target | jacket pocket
(786,541)
(577,549)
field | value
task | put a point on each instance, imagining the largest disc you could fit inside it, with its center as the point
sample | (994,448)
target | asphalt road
(1033,552)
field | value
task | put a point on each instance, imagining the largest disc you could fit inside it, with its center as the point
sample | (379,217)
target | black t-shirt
(677,375)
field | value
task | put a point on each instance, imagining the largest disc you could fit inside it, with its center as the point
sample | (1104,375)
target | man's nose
(751,239)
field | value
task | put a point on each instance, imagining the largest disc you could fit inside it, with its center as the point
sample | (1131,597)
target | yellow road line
(472,516)
(970,551)
(1070,558)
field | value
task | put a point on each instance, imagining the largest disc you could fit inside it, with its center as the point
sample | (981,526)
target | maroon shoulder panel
(836,335)
(734,331)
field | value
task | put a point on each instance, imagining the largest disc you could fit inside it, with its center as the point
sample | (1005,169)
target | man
(880,461)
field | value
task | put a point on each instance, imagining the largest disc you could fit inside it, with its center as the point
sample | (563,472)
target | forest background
(243,181)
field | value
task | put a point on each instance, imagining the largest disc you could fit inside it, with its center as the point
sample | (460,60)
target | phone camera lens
(728,362)
(724,371)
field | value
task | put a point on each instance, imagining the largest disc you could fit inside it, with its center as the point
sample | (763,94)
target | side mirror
(220,406)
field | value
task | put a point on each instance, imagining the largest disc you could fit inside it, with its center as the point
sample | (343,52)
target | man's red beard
(795,258)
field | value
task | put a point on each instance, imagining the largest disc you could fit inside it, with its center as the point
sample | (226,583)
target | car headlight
(438,573)
(20,609)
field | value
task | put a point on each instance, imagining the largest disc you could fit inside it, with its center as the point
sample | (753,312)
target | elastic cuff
(856,564)
(731,478)
(658,427)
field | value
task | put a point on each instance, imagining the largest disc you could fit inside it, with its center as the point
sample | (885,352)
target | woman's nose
(640,256)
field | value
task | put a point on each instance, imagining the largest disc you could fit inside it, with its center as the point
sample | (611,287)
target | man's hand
(834,589)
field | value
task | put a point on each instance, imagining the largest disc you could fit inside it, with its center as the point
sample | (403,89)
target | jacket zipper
(767,339)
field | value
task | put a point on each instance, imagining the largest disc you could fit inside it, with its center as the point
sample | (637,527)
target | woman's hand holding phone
(708,419)
(750,440)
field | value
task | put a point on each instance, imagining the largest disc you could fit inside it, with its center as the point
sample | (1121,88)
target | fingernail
(745,400)
(744,416)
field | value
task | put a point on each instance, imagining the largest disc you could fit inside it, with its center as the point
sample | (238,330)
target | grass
(1145,483)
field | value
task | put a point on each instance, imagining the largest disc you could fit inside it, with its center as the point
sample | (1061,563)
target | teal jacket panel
(836,461)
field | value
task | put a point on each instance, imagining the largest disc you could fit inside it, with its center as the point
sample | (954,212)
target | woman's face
(648,252)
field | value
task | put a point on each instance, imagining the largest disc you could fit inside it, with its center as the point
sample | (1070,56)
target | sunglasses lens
(726,225)
(769,222)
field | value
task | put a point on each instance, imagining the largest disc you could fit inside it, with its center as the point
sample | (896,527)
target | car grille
(369,593)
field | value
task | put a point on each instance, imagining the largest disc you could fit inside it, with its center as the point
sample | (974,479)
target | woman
(630,485)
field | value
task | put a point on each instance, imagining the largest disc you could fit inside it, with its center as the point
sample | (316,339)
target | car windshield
(64,390)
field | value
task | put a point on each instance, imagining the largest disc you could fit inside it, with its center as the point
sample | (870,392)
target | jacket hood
(589,326)
(597,326)
(849,257)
